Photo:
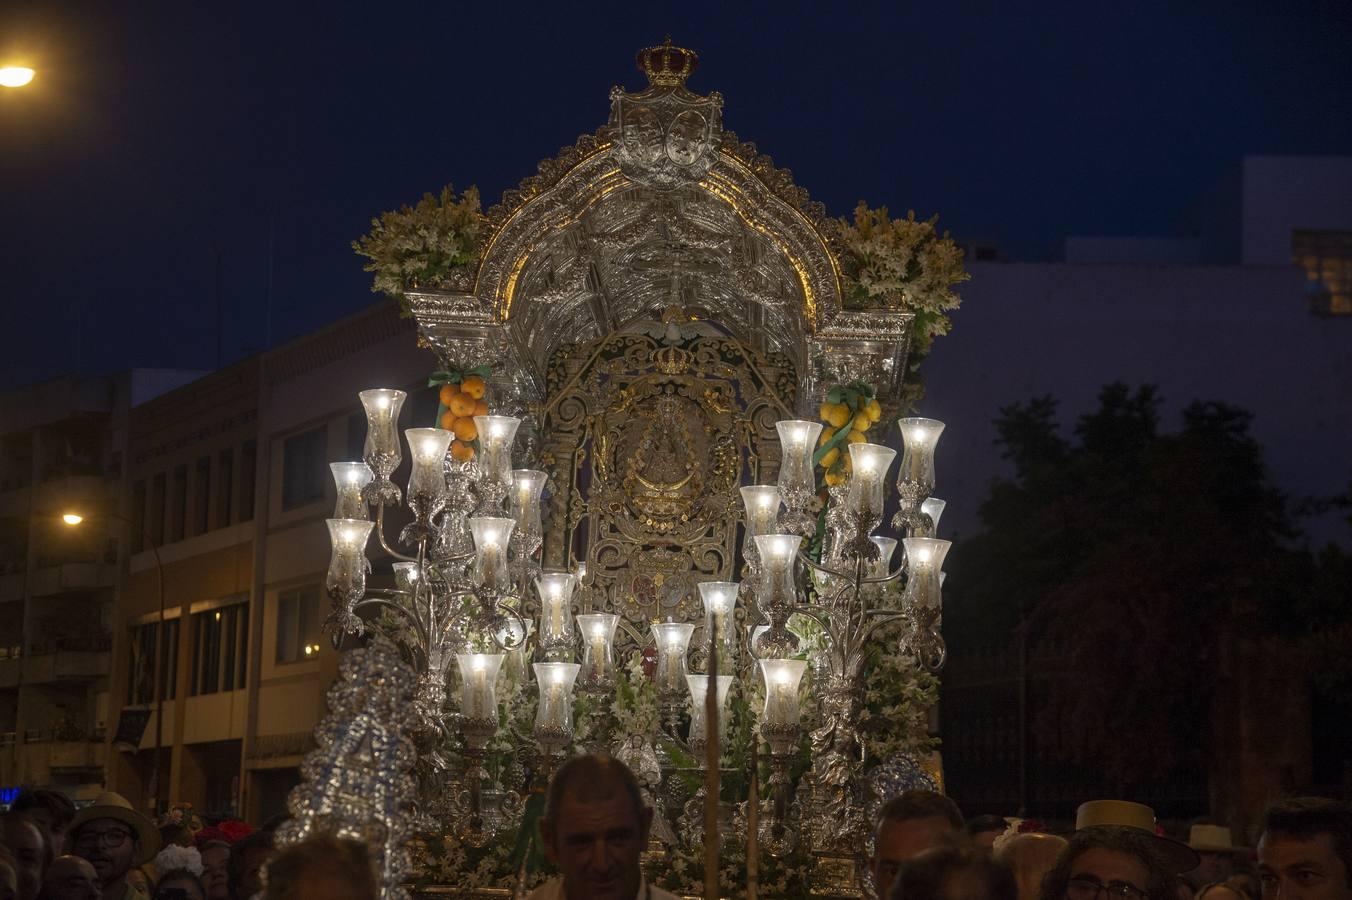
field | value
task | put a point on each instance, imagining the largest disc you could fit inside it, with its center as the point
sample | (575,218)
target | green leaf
(834,395)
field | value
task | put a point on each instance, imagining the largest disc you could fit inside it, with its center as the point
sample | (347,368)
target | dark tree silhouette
(1129,552)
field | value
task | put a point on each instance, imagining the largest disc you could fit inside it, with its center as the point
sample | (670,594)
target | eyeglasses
(112,838)
(1084,888)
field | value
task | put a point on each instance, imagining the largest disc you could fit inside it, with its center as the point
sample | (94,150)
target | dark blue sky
(153,141)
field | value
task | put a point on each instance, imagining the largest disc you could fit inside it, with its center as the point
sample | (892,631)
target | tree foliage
(1129,552)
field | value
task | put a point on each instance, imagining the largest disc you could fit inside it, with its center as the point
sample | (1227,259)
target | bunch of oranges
(463,402)
(848,413)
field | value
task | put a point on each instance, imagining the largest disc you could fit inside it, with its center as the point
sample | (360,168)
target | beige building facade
(229,481)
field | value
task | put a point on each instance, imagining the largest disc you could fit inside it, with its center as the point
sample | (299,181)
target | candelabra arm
(380,536)
(521,620)
(901,570)
(382,603)
(821,568)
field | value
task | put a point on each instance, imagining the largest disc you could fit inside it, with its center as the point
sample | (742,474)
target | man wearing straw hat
(1117,854)
(113,837)
(1217,852)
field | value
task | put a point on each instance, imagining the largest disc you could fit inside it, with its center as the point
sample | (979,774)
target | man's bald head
(1031,856)
(71,878)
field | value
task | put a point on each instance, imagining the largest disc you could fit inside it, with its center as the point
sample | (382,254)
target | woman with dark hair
(1112,863)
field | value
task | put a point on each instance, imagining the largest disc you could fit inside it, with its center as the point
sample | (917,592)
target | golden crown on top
(667,64)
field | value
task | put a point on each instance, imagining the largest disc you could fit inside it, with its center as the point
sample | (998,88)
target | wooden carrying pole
(753,823)
(711,836)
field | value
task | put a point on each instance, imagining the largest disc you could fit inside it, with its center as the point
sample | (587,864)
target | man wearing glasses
(1115,854)
(112,837)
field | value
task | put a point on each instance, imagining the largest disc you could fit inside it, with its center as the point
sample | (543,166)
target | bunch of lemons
(462,402)
(848,414)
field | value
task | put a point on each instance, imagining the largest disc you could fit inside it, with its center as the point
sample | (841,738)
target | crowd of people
(595,827)
(107,850)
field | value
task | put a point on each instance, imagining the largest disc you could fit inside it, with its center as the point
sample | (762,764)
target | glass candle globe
(778,553)
(934,508)
(797,440)
(919,437)
(925,562)
(527,487)
(762,508)
(887,546)
(491,536)
(782,677)
(349,478)
(699,705)
(598,647)
(347,563)
(381,451)
(428,448)
(496,434)
(554,714)
(869,463)
(556,607)
(720,604)
(673,640)
(478,684)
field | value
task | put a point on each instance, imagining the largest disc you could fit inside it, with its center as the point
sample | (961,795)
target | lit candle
(869,463)
(478,689)
(920,437)
(496,434)
(720,601)
(673,639)
(556,680)
(347,564)
(527,486)
(778,553)
(491,535)
(556,594)
(762,508)
(781,690)
(349,478)
(428,447)
(599,635)
(924,560)
(797,440)
(381,451)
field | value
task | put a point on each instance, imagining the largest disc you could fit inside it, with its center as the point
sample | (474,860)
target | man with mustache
(112,837)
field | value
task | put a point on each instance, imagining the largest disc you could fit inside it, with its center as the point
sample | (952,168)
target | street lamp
(73,519)
(15,76)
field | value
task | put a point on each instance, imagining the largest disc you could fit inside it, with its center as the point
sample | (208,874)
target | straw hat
(112,805)
(1212,839)
(1137,817)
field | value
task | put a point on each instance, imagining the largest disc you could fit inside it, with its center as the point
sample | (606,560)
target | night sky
(154,144)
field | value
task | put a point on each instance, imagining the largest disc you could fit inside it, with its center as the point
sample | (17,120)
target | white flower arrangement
(176,857)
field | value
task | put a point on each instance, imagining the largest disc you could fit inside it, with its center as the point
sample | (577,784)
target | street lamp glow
(15,76)
(72,518)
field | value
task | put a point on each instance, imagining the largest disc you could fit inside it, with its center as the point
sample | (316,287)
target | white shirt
(553,890)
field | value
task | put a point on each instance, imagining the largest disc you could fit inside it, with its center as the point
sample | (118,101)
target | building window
(157,510)
(201,492)
(220,649)
(1326,257)
(225,485)
(138,516)
(304,468)
(356,437)
(297,624)
(178,506)
(141,672)
(248,469)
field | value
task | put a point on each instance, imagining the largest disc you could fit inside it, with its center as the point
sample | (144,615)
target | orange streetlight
(15,76)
